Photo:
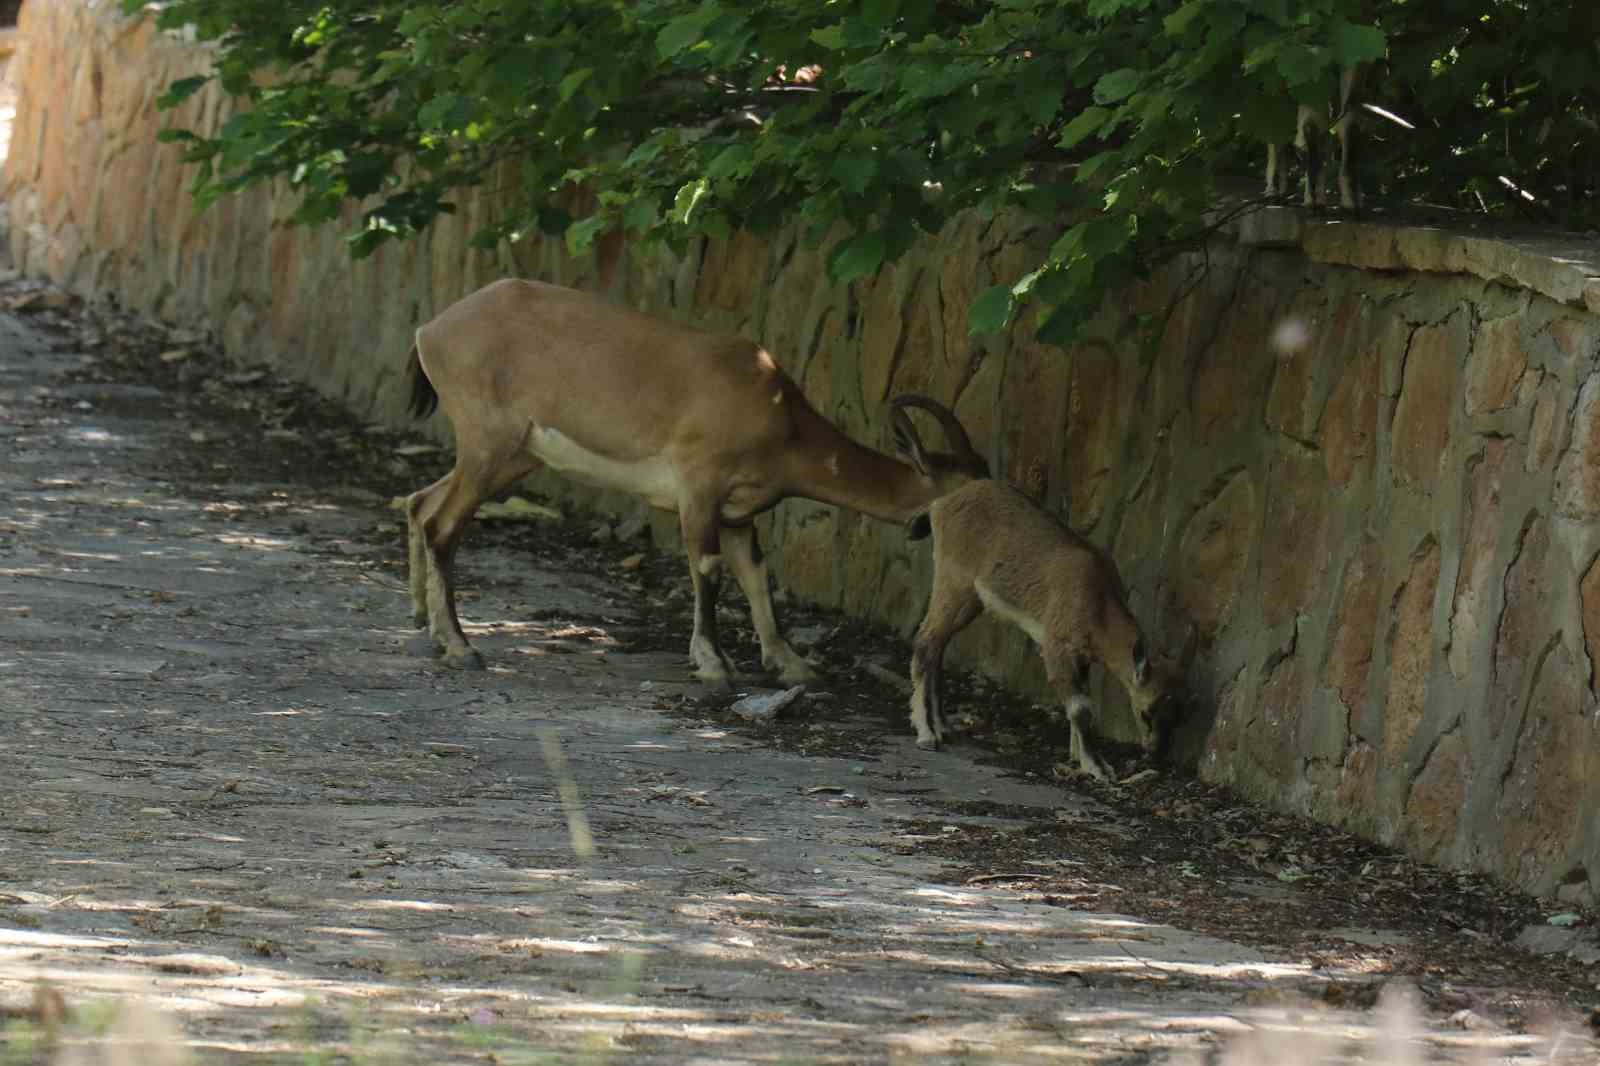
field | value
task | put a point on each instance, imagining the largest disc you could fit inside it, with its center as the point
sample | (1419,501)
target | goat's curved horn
(954,431)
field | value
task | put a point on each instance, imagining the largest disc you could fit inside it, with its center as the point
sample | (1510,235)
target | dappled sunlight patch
(256,541)
(403,905)
(93,435)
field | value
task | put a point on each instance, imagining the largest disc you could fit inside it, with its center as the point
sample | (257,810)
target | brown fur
(994,549)
(703,424)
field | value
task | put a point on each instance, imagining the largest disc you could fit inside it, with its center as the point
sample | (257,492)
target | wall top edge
(1562,266)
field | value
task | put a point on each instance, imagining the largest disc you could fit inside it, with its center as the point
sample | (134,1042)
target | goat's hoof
(928,743)
(797,673)
(420,621)
(467,660)
(423,646)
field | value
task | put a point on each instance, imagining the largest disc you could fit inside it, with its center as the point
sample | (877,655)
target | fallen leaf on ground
(519,509)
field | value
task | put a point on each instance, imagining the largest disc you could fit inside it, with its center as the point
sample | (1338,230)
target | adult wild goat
(994,549)
(703,424)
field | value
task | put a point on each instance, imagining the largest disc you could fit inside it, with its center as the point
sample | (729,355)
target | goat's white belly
(653,478)
(996,606)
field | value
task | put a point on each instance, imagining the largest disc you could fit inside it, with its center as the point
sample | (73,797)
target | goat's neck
(838,471)
(1114,639)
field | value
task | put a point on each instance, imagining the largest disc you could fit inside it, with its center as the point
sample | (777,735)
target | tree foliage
(1116,119)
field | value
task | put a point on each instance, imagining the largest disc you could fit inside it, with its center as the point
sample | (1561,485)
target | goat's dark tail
(424,399)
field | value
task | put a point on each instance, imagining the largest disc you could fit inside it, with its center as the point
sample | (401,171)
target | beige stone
(978,406)
(1294,532)
(1140,538)
(1235,711)
(1212,555)
(1495,366)
(1353,244)
(1094,426)
(1269,740)
(1589,597)
(1034,396)
(1356,802)
(1577,338)
(1411,644)
(1434,807)
(1305,331)
(1354,627)
(807,563)
(1542,424)
(883,323)
(1350,422)
(1577,488)
(1473,611)
(1555,757)
(962,276)
(1526,625)
(1422,415)
(1227,391)
(816,380)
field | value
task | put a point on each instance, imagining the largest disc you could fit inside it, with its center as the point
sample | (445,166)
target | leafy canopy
(1116,119)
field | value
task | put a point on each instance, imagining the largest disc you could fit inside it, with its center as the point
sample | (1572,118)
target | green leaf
(1088,121)
(830,37)
(854,170)
(734,161)
(1354,44)
(1117,86)
(1177,22)
(444,112)
(991,311)
(179,91)
(689,197)
(684,31)
(573,82)
(640,213)
(581,234)
(856,257)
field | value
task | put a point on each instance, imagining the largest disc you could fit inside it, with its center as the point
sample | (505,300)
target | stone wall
(1362,459)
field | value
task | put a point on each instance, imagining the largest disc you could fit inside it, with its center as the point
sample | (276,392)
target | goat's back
(986,531)
(617,380)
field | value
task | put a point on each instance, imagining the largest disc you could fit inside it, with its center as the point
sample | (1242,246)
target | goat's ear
(1141,662)
(906,442)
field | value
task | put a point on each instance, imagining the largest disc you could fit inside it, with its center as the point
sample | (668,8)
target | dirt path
(228,793)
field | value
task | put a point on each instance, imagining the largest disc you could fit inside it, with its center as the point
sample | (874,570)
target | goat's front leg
(1069,673)
(698,520)
(741,547)
(951,609)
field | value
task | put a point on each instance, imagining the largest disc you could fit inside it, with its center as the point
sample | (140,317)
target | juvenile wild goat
(994,549)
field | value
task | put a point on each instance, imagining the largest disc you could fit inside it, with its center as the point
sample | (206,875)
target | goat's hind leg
(441,525)
(419,506)
(742,548)
(951,609)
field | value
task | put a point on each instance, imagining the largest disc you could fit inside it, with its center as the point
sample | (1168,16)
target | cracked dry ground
(230,795)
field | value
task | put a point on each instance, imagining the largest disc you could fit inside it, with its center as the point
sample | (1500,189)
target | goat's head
(945,471)
(1159,684)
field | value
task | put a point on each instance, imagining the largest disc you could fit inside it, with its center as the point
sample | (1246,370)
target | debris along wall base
(1363,458)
